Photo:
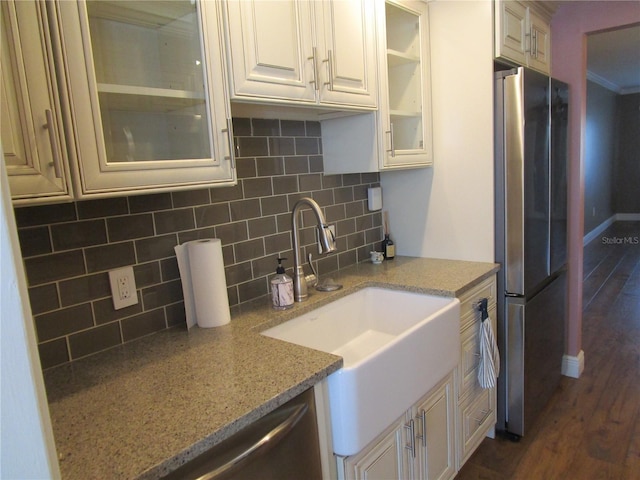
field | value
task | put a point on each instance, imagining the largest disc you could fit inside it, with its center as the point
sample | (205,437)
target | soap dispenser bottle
(281,288)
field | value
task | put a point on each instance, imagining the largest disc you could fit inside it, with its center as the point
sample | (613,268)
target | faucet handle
(312,278)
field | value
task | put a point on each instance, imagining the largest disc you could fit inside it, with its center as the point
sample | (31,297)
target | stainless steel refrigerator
(531,221)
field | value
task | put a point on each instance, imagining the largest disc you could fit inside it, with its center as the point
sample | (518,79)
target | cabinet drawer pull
(53,141)
(392,150)
(412,439)
(423,432)
(485,414)
(229,132)
(329,61)
(314,59)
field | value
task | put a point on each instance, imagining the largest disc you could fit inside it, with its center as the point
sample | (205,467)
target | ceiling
(613,59)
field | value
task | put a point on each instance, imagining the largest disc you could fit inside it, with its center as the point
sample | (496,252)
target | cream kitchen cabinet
(32,141)
(146,99)
(419,445)
(385,458)
(476,407)
(434,426)
(405,119)
(523,34)
(399,134)
(314,53)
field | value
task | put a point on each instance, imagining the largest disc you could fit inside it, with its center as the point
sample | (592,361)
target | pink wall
(569,27)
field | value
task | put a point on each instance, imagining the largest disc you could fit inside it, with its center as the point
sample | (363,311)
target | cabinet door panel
(540,48)
(31,136)
(270,44)
(348,52)
(382,460)
(511,41)
(476,416)
(406,116)
(152,116)
(436,416)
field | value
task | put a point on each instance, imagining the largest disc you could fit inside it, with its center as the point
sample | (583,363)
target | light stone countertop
(142,409)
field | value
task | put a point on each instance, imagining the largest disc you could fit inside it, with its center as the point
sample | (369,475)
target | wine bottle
(387,246)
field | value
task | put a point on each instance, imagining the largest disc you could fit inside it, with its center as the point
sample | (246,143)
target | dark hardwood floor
(591,427)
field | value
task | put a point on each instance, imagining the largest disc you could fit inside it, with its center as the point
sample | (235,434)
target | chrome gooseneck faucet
(327,245)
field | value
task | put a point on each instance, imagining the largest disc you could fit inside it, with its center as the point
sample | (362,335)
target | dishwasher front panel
(281,445)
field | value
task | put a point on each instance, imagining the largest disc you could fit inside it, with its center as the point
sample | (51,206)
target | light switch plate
(374,198)
(123,287)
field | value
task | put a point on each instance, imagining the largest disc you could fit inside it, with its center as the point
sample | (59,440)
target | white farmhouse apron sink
(396,346)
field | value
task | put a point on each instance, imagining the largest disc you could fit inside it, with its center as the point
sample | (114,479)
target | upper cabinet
(399,134)
(405,118)
(32,140)
(314,53)
(148,109)
(523,34)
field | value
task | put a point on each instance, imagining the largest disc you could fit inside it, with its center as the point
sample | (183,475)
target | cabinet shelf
(396,58)
(141,13)
(158,100)
(405,113)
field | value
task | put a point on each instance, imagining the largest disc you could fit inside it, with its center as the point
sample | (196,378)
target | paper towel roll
(203,283)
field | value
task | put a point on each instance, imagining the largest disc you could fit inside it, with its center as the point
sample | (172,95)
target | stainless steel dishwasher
(281,445)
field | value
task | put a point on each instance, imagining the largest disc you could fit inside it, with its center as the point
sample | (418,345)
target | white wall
(26,440)
(447,211)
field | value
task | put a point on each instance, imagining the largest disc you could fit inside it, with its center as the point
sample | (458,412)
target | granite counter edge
(223,433)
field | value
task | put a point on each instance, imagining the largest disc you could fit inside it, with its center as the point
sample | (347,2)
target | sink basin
(396,346)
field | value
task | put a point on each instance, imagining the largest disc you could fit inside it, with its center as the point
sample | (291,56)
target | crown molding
(603,82)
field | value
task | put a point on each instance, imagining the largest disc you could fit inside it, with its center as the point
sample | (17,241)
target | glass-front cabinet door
(407,107)
(146,95)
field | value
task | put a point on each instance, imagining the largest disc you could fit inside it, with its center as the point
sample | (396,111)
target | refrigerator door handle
(514,183)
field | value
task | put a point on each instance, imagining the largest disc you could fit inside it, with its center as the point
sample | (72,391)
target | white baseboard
(628,217)
(618,217)
(599,229)
(573,366)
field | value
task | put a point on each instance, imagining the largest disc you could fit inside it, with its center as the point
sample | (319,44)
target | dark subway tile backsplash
(265,127)
(189,198)
(294,128)
(44,298)
(46,214)
(104,207)
(84,289)
(35,241)
(129,227)
(143,324)
(94,340)
(64,321)
(174,220)
(150,203)
(69,248)
(109,256)
(68,236)
(57,266)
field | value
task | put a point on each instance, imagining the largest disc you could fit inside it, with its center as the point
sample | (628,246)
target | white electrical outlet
(123,287)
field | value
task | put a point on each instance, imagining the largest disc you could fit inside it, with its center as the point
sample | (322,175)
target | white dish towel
(489,367)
